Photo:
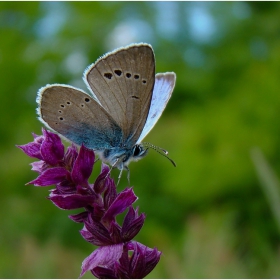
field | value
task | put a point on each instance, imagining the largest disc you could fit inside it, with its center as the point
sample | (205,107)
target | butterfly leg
(120,175)
(121,167)
(128,175)
(113,165)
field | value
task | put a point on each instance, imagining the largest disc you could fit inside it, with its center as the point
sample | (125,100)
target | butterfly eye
(137,150)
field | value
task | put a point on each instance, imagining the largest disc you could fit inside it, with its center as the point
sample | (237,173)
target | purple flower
(106,231)
(118,256)
(50,176)
(83,166)
(47,147)
(52,149)
(114,261)
(132,224)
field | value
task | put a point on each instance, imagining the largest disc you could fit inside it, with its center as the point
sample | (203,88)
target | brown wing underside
(123,82)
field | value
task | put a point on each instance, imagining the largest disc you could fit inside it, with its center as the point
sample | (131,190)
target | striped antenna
(160,150)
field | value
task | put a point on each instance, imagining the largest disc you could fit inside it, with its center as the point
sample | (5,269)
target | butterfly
(126,100)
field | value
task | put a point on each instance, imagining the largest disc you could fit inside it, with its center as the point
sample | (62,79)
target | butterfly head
(121,157)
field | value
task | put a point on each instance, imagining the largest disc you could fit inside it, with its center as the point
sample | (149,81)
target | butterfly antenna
(160,150)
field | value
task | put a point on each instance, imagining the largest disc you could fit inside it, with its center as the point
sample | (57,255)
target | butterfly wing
(123,82)
(78,117)
(164,85)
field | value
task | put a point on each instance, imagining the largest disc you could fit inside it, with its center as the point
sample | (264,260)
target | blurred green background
(217,214)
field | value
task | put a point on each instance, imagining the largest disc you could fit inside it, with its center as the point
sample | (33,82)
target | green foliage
(209,215)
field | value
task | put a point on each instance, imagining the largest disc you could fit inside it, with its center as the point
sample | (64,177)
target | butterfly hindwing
(164,85)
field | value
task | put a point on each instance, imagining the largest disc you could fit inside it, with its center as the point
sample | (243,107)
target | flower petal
(115,232)
(110,193)
(123,266)
(96,234)
(32,149)
(130,216)
(130,229)
(83,166)
(39,166)
(71,201)
(143,260)
(137,261)
(103,273)
(66,187)
(79,218)
(70,156)
(102,179)
(52,148)
(104,256)
(122,201)
(50,177)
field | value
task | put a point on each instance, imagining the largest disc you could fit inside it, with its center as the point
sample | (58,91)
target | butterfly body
(126,99)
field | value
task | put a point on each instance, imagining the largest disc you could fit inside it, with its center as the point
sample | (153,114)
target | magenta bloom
(69,172)
(114,261)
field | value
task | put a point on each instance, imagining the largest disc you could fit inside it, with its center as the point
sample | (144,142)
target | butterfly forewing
(78,117)
(123,82)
